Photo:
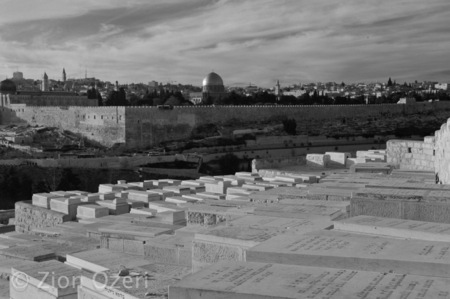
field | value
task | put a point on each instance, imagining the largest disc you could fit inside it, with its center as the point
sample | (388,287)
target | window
(409,150)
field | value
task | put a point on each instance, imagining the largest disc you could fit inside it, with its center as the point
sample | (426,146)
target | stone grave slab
(357,252)
(241,280)
(179,200)
(43,199)
(169,249)
(134,230)
(147,281)
(178,190)
(162,193)
(232,241)
(301,211)
(400,228)
(66,206)
(144,211)
(41,281)
(92,211)
(212,195)
(102,259)
(115,206)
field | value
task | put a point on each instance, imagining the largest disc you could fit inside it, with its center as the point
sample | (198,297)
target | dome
(8,86)
(212,79)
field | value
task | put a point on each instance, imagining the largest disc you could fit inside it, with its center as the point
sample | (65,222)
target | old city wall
(411,155)
(105,125)
(53,100)
(148,126)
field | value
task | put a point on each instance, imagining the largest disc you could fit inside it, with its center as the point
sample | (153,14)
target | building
(18,76)
(7,88)
(213,87)
(44,86)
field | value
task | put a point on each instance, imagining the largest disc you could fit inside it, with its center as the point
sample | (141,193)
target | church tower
(64,78)
(44,86)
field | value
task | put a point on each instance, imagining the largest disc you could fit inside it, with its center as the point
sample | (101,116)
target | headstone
(43,199)
(241,280)
(92,211)
(399,228)
(357,252)
(50,280)
(115,206)
(232,241)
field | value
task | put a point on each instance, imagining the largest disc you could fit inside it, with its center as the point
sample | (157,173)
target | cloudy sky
(245,41)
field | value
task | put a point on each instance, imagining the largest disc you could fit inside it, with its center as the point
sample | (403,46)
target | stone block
(115,206)
(92,211)
(178,190)
(317,160)
(356,252)
(162,193)
(43,199)
(275,281)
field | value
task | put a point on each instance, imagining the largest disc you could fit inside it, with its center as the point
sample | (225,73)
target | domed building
(7,87)
(213,86)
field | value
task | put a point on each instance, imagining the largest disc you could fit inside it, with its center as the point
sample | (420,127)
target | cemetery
(342,228)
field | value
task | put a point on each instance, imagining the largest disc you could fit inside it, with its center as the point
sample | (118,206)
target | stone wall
(258,164)
(411,155)
(148,126)
(28,217)
(105,125)
(442,150)
(49,100)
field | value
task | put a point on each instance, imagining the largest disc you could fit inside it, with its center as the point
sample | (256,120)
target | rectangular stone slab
(400,228)
(134,230)
(357,252)
(42,285)
(275,281)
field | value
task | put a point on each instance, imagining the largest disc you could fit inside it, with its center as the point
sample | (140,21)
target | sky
(245,41)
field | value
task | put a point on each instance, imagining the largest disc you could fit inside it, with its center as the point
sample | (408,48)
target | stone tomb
(116,206)
(44,280)
(241,280)
(401,209)
(133,231)
(400,228)
(92,211)
(232,241)
(146,281)
(357,252)
(66,206)
(143,196)
(43,199)
(179,190)
(162,193)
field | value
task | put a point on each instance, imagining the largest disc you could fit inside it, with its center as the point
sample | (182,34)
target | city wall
(141,127)
(105,125)
(147,126)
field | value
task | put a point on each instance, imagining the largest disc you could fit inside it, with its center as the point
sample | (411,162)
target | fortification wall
(46,100)
(148,126)
(105,125)
(412,155)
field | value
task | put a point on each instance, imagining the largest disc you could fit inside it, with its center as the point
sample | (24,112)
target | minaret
(117,85)
(64,78)
(44,86)
(278,90)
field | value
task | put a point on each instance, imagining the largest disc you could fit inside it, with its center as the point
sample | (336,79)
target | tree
(173,101)
(290,126)
(69,180)
(389,83)
(229,164)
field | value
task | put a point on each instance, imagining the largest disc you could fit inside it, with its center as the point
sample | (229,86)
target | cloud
(256,41)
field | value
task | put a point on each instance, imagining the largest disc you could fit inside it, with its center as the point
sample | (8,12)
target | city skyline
(244,41)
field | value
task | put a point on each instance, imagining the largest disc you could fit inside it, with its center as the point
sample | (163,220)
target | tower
(64,76)
(278,90)
(44,86)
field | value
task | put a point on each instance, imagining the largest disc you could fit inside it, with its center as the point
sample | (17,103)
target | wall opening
(409,150)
